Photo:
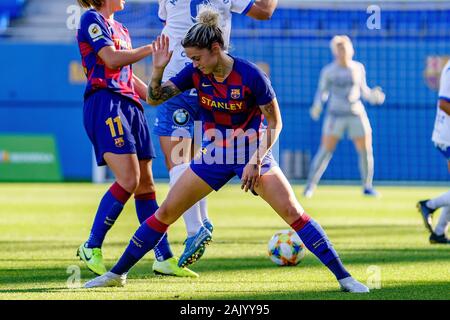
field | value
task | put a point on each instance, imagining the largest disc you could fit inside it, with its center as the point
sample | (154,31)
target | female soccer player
(116,125)
(342,83)
(234,96)
(174,123)
(441,139)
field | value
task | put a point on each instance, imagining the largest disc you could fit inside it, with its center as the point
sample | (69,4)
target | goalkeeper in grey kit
(342,84)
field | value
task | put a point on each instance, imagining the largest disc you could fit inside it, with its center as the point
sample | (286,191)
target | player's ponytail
(97,4)
(206,31)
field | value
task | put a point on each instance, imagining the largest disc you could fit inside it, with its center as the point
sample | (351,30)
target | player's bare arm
(252,171)
(444,106)
(140,87)
(115,59)
(158,93)
(262,9)
(272,114)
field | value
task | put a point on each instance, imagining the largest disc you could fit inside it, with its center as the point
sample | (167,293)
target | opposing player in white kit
(343,83)
(174,123)
(441,139)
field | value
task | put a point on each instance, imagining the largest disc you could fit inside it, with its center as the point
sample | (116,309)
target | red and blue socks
(146,206)
(144,240)
(108,211)
(316,240)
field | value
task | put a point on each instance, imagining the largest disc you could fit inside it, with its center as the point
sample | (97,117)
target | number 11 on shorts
(110,122)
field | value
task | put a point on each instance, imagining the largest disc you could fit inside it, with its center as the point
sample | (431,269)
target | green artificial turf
(41,226)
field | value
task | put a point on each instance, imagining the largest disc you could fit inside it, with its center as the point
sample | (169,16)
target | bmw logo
(180,117)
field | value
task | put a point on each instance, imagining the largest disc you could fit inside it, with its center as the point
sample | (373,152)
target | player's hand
(377,96)
(250,176)
(160,52)
(315,111)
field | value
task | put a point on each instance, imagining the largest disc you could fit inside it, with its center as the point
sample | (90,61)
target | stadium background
(42,84)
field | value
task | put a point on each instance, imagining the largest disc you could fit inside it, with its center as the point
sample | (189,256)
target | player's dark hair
(205,32)
(97,4)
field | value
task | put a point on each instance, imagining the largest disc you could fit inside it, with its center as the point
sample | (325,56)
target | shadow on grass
(418,291)
(425,290)
(350,257)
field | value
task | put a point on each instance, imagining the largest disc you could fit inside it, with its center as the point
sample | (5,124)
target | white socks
(203,209)
(443,201)
(193,217)
(439,202)
(441,226)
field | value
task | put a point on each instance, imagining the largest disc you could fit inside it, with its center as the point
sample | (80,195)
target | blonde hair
(205,31)
(344,41)
(97,4)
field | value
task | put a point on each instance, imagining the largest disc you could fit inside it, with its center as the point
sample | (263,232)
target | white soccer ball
(286,249)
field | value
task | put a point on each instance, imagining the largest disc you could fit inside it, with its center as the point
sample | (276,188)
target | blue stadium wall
(37,96)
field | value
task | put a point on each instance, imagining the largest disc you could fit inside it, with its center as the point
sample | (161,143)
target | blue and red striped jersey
(96,32)
(232,104)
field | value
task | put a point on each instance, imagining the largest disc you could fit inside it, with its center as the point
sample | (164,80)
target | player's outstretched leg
(199,232)
(275,189)
(109,209)
(144,240)
(146,206)
(165,263)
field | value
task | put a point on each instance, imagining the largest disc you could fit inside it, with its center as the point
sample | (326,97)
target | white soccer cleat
(109,279)
(351,285)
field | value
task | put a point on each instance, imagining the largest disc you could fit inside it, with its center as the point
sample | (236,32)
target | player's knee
(146,185)
(130,182)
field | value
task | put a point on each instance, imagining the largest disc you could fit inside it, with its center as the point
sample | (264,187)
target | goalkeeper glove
(315,111)
(376,96)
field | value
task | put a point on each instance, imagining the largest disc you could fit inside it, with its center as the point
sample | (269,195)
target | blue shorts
(445,150)
(116,124)
(176,116)
(218,175)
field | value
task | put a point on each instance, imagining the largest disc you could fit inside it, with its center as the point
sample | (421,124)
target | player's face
(341,52)
(203,59)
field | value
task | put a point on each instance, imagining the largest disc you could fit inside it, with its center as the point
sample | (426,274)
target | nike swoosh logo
(204,85)
(86,256)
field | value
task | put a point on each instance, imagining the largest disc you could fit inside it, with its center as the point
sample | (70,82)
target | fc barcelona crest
(235,93)
(119,142)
